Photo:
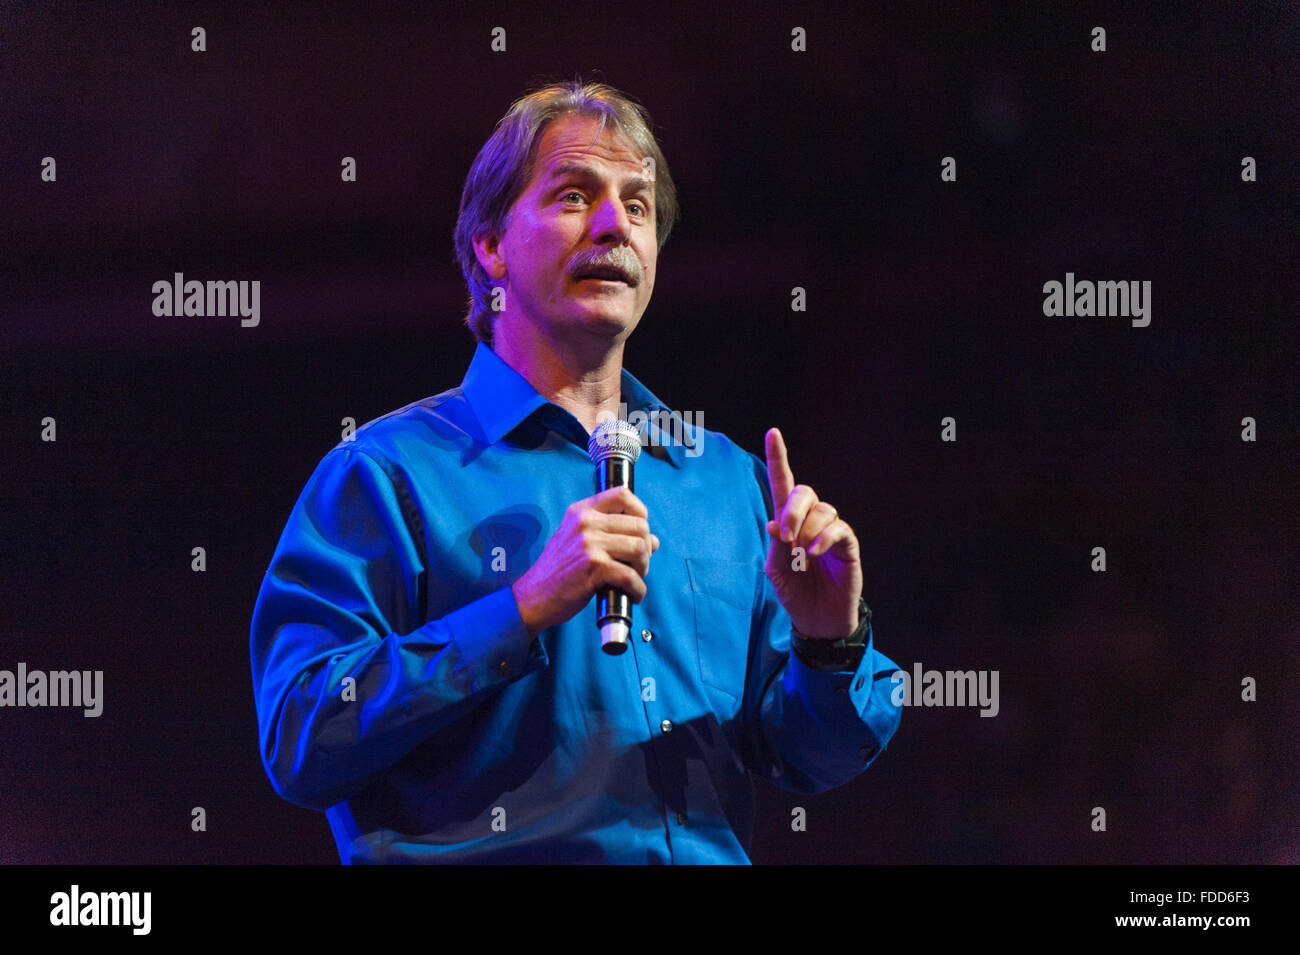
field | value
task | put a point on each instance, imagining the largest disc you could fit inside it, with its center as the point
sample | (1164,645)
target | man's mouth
(605,273)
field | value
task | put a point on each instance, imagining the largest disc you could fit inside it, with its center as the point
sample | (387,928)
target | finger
(821,516)
(618,500)
(797,507)
(780,480)
(628,525)
(625,578)
(836,532)
(633,551)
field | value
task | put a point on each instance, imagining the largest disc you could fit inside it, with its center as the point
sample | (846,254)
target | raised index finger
(778,470)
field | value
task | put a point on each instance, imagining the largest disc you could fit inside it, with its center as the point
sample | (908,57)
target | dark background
(816,169)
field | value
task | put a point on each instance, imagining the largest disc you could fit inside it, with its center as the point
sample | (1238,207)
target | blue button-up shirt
(398,689)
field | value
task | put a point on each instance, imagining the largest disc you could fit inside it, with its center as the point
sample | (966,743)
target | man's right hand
(604,540)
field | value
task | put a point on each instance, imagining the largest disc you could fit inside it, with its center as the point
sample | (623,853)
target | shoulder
(724,462)
(441,422)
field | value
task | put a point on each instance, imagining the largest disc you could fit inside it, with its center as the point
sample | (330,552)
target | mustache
(621,259)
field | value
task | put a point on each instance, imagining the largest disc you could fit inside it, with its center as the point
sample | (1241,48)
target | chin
(609,323)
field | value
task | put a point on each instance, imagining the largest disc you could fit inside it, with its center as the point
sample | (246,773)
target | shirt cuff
(493,640)
(851,707)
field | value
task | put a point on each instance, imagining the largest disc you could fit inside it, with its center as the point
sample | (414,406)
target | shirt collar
(502,399)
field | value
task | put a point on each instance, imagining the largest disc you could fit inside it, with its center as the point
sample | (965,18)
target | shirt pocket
(723,595)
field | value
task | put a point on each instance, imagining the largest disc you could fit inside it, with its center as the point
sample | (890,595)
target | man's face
(586,208)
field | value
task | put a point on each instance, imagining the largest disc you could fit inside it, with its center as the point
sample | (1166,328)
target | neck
(583,377)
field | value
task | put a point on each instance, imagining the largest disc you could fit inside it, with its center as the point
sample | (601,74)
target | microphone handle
(613,608)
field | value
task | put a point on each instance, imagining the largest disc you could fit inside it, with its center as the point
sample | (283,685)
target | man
(425,664)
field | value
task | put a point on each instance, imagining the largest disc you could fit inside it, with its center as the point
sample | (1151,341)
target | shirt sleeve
(809,731)
(347,675)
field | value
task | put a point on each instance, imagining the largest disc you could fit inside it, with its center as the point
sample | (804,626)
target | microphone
(614,447)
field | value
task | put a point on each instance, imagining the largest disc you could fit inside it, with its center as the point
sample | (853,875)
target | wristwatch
(828,655)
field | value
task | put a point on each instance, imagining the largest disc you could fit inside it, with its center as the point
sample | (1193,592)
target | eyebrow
(570,167)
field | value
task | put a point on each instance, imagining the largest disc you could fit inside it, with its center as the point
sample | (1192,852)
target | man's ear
(487,249)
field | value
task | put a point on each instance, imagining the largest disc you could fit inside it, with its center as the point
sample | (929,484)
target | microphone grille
(614,437)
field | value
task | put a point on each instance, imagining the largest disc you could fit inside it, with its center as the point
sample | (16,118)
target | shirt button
(647,636)
(841,690)
(666,726)
(867,752)
(503,667)
(681,819)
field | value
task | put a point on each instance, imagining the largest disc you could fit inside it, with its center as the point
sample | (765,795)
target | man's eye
(571,192)
(640,209)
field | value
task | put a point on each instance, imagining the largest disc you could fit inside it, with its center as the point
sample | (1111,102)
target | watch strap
(844,653)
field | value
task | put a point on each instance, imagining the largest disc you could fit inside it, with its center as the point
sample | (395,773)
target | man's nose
(610,222)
